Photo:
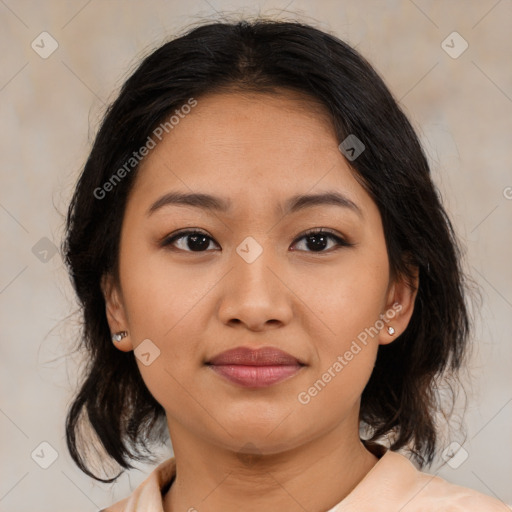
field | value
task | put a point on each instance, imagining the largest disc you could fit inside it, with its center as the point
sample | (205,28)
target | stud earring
(391,330)
(118,336)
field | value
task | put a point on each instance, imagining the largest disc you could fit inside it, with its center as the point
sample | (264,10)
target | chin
(266,435)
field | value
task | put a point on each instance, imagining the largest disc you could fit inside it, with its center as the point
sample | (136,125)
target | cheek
(160,296)
(337,388)
(349,300)
(162,306)
(349,305)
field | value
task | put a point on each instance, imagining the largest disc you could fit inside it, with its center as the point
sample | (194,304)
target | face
(251,276)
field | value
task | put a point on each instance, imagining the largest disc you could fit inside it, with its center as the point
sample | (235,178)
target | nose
(255,294)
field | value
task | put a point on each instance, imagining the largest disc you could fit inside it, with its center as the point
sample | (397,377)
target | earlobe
(116,317)
(399,307)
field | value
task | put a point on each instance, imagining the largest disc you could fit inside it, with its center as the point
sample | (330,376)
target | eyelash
(341,242)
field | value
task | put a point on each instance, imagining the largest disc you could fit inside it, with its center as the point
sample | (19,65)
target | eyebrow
(219,204)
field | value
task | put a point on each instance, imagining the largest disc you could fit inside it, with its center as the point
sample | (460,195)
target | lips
(255,368)
(265,356)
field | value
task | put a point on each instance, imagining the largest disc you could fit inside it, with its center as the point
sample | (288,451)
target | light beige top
(393,484)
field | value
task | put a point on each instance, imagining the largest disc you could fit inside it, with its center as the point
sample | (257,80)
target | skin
(257,150)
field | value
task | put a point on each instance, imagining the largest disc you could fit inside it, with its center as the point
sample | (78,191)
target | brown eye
(318,239)
(194,241)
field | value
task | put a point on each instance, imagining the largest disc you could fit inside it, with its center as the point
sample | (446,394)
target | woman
(267,274)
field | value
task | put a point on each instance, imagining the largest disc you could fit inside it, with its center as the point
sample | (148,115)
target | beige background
(50,109)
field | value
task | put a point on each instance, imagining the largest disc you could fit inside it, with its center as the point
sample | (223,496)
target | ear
(399,306)
(115,311)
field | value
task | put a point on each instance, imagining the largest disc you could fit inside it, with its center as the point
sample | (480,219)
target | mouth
(255,368)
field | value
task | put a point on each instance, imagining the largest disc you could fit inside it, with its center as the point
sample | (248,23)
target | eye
(198,241)
(317,239)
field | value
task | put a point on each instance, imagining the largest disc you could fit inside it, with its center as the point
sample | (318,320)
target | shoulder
(430,492)
(148,495)
(454,498)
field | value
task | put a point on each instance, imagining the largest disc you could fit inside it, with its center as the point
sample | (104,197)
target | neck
(314,476)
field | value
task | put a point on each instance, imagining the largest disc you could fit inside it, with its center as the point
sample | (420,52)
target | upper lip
(264,356)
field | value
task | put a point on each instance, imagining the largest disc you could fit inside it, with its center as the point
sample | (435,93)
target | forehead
(256,145)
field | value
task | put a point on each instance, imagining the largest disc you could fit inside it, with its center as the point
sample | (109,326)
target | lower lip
(255,376)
